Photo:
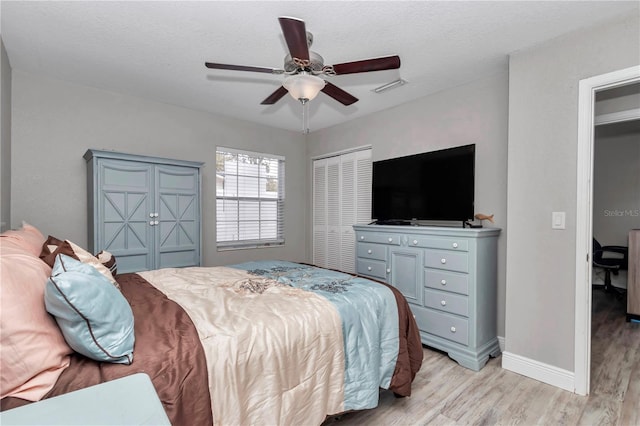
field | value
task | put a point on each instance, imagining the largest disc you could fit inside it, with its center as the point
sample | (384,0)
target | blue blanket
(369,316)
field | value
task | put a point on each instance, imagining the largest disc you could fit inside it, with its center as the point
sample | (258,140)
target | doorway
(584,216)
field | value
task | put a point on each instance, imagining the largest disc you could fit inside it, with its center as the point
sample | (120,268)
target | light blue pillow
(95,318)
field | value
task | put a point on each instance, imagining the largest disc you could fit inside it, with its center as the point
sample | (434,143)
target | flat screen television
(436,185)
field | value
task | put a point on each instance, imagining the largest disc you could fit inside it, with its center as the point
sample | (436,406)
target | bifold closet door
(355,203)
(341,199)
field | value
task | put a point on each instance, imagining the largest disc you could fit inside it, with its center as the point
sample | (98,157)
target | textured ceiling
(157,50)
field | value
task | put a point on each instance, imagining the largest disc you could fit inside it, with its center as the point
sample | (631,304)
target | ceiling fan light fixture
(303,87)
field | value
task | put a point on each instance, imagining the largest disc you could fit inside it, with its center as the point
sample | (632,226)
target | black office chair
(610,264)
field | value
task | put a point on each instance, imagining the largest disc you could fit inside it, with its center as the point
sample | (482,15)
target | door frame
(584,215)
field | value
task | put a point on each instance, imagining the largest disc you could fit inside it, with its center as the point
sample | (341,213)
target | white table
(131,400)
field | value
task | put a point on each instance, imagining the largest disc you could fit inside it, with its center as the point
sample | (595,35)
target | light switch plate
(558,220)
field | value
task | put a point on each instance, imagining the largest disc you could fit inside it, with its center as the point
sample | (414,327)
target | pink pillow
(27,237)
(33,352)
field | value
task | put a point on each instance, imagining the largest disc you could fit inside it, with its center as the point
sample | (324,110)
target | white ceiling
(157,50)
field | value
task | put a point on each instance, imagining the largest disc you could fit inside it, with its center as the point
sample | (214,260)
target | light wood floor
(446,394)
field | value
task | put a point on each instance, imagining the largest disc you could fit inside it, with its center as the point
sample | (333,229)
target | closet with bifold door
(341,199)
(145,210)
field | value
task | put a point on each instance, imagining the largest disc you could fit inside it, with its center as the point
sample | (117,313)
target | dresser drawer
(446,281)
(455,244)
(372,251)
(446,302)
(445,259)
(373,268)
(378,238)
(443,325)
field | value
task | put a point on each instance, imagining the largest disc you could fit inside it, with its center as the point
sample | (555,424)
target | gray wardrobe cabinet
(144,210)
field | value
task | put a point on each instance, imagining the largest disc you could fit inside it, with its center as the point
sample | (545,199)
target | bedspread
(288,343)
(291,372)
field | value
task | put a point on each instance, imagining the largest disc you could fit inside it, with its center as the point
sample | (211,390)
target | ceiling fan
(302,66)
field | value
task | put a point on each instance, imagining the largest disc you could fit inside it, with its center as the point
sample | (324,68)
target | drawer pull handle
(453,329)
(369,251)
(368,268)
(415,242)
(455,245)
(388,270)
(443,282)
(443,303)
(390,239)
(443,260)
(362,237)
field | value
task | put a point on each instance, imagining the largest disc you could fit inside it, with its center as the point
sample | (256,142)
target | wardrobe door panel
(178,209)
(122,217)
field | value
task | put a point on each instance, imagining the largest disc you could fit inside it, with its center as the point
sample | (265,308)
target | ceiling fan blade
(366,65)
(275,96)
(338,94)
(242,68)
(295,34)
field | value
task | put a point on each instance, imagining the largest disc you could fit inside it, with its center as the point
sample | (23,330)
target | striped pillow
(52,247)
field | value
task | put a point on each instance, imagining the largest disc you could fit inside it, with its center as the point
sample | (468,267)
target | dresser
(144,210)
(633,280)
(449,278)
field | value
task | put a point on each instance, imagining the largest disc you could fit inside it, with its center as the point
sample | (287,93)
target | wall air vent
(392,85)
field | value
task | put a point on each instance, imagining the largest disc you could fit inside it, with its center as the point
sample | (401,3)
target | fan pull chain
(305,116)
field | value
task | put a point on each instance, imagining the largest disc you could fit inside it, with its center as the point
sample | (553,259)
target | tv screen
(437,185)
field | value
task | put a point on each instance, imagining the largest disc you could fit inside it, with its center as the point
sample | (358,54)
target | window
(249,199)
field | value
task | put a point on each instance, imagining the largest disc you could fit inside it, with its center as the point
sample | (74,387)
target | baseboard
(501,343)
(539,371)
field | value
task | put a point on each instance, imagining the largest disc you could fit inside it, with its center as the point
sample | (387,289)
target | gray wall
(616,182)
(473,113)
(54,123)
(543,125)
(5,140)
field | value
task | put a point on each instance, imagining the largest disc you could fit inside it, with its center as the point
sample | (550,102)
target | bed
(270,342)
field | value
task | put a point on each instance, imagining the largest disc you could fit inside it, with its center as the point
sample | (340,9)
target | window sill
(249,247)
